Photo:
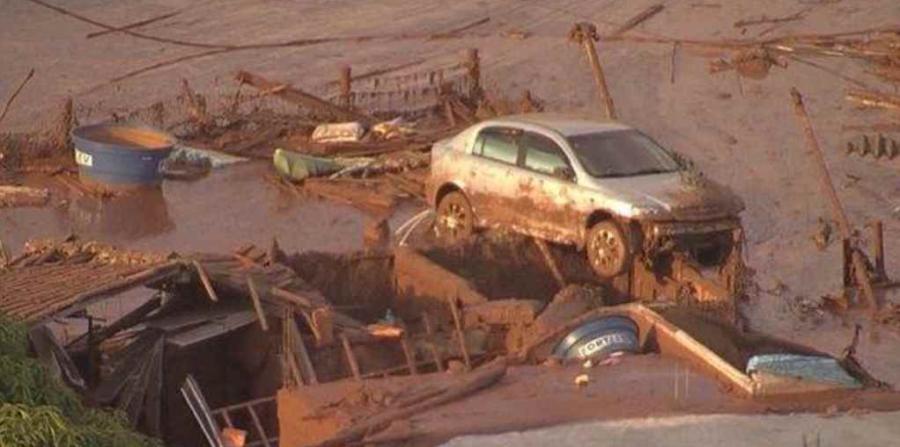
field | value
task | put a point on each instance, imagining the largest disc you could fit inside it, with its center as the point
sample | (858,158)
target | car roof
(565,124)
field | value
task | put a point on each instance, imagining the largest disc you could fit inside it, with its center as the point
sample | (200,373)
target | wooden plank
(301,352)
(204,278)
(351,358)
(460,336)
(429,331)
(257,304)
(408,354)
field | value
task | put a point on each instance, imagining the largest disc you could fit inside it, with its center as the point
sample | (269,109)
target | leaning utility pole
(586,34)
(860,268)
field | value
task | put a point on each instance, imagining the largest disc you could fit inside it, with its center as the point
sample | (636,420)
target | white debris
(582,380)
(338,133)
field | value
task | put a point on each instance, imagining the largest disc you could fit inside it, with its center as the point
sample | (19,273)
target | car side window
(543,154)
(497,144)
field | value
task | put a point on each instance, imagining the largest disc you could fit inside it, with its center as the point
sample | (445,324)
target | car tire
(455,220)
(608,251)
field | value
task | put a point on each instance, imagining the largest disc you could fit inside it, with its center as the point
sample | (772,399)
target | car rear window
(497,144)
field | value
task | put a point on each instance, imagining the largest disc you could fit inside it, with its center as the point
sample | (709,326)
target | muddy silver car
(599,185)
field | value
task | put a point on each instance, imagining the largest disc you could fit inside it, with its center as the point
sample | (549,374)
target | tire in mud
(608,250)
(455,220)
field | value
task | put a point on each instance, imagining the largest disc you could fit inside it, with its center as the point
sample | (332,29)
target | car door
(546,189)
(493,168)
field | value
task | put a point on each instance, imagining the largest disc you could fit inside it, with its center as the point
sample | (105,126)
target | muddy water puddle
(228,208)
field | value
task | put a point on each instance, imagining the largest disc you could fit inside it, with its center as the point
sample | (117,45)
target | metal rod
(259,427)
(586,34)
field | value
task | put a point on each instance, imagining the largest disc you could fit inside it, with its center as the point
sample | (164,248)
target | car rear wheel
(455,220)
(607,249)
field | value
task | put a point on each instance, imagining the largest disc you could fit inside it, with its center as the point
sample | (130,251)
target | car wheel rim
(454,220)
(607,251)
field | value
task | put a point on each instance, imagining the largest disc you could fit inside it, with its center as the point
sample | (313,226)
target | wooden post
(460,336)
(860,271)
(878,249)
(408,354)
(351,358)
(586,34)
(473,63)
(429,330)
(300,350)
(346,82)
(288,346)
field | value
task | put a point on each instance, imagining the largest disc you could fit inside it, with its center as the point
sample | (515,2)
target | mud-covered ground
(740,131)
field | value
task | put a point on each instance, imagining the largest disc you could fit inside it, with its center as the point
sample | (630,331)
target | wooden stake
(351,358)
(288,346)
(460,336)
(409,354)
(429,330)
(207,284)
(586,34)
(859,265)
(473,63)
(300,348)
(551,262)
(346,82)
(257,304)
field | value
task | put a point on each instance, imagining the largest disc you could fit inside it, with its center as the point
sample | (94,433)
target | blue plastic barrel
(121,155)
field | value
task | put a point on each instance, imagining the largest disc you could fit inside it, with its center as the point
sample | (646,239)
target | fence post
(346,82)
(473,63)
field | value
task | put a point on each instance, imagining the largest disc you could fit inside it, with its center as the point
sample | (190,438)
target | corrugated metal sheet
(215,327)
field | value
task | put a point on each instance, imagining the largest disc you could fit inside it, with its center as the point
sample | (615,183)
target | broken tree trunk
(483,377)
(860,269)
(297,96)
(586,34)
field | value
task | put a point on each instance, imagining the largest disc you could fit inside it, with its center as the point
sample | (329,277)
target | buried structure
(382,346)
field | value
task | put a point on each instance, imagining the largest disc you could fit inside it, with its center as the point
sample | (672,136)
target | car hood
(673,196)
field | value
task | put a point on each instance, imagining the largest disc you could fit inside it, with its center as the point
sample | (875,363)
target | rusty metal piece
(860,272)
(586,34)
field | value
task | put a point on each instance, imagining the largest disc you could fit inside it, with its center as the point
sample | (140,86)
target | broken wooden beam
(297,96)
(429,332)
(460,335)
(860,269)
(257,304)
(482,377)
(204,279)
(299,347)
(638,19)
(550,261)
(585,34)
(351,358)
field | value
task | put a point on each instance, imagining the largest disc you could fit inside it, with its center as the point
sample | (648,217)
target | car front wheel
(607,249)
(455,220)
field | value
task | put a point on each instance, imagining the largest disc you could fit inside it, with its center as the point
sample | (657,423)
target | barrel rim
(78,134)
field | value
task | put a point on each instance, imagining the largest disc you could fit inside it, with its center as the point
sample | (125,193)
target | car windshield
(621,153)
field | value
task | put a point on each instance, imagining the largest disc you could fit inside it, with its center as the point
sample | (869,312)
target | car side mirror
(564,172)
